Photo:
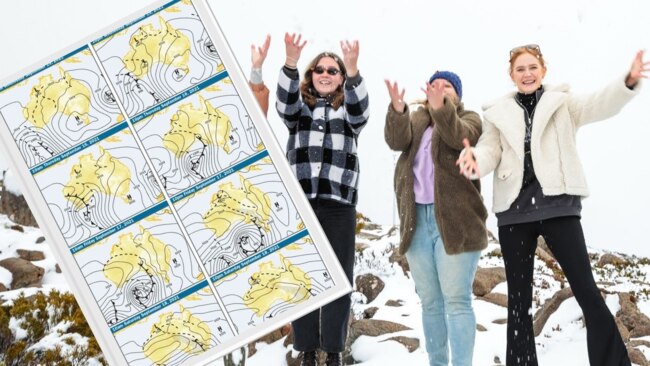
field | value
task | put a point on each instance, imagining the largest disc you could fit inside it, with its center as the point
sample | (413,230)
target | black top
(531,204)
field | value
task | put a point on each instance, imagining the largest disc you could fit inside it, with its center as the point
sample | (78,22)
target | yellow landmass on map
(206,124)
(105,175)
(134,255)
(287,283)
(165,45)
(174,333)
(231,205)
(51,96)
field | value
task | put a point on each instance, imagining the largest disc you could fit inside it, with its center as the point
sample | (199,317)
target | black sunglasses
(330,70)
(530,47)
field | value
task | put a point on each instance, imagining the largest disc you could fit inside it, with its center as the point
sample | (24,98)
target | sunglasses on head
(330,70)
(530,47)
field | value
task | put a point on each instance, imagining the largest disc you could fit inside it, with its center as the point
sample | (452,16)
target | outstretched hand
(396,96)
(467,163)
(350,56)
(294,48)
(435,94)
(258,54)
(638,70)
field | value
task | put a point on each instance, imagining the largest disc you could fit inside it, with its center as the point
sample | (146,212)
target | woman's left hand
(435,94)
(350,56)
(638,70)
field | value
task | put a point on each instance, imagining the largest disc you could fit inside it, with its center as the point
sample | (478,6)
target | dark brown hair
(309,94)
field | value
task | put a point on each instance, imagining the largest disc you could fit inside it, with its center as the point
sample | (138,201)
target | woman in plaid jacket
(325,114)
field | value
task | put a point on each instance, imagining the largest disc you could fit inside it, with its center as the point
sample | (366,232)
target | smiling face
(527,72)
(325,83)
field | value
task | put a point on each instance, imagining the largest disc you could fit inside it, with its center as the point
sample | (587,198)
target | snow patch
(12,183)
(5,277)
(15,326)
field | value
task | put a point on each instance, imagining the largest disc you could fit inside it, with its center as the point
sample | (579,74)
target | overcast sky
(586,44)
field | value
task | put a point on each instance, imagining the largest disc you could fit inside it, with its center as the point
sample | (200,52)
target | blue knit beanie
(450,77)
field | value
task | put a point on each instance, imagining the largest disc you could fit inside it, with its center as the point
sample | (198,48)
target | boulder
(16,208)
(411,344)
(637,357)
(625,333)
(30,255)
(496,299)
(394,303)
(550,306)
(360,247)
(373,328)
(369,313)
(630,315)
(18,228)
(609,258)
(541,244)
(486,279)
(25,274)
(369,285)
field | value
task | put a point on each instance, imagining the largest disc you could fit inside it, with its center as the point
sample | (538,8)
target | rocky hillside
(40,323)
(385,325)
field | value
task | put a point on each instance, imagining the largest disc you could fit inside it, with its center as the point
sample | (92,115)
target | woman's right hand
(467,163)
(396,96)
(258,54)
(294,47)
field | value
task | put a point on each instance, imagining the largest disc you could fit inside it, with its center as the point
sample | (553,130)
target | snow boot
(308,358)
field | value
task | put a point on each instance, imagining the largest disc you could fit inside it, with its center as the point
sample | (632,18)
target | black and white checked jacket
(322,145)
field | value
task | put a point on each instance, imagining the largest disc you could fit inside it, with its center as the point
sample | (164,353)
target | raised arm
(289,103)
(355,91)
(261,92)
(608,101)
(452,126)
(397,131)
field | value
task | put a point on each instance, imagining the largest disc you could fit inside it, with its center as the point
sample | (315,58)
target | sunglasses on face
(330,70)
(530,47)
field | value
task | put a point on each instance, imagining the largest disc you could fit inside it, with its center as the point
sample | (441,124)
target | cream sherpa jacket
(558,115)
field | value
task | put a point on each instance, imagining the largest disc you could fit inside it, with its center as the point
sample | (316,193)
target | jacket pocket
(504,174)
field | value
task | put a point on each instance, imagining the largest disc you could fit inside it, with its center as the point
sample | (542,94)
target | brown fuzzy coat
(460,213)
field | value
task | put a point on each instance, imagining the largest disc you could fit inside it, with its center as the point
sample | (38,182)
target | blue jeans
(444,284)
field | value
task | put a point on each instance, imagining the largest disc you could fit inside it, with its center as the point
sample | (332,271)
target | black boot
(308,358)
(333,359)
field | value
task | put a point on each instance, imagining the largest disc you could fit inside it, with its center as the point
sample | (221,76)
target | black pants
(327,328)
(565,239)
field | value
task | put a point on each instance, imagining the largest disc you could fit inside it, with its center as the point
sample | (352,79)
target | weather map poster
(163,191)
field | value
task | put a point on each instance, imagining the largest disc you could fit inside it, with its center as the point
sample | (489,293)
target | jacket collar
(506,115)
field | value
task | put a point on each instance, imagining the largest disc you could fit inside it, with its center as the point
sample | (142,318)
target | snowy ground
(563,340)
(12,240)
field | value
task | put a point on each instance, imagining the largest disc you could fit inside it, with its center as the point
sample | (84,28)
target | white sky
(587,43)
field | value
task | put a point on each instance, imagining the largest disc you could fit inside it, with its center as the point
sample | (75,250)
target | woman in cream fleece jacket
(529,141)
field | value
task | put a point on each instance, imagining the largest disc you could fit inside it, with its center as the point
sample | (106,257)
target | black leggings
(327,328)
(565,239)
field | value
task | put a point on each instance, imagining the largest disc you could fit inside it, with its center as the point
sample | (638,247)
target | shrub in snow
(55,316)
